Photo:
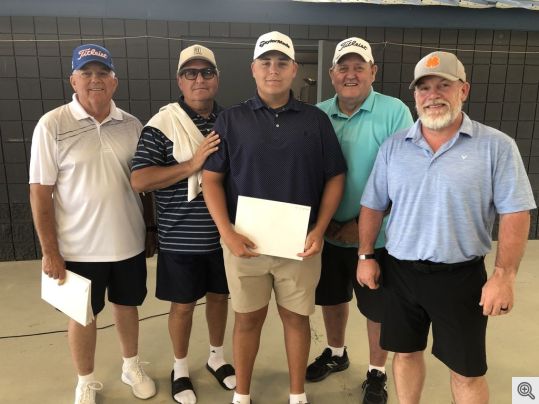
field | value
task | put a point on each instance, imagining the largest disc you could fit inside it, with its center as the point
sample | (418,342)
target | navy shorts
(125,280)
(185,278)
(419,294)
(338,279)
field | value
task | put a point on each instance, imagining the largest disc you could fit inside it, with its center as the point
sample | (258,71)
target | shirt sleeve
(511,187)
(403,118)
(44,156)
(151,149)
(375,195)
(219,161)
(334,162)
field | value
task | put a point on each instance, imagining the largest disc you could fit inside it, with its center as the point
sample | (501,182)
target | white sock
(86,378)
(181,369)
(128,362)
(380,368)
(298,398)
(336,351)
(241,398)
(216,360)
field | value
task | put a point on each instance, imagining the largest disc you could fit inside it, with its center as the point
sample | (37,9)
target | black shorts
(185,278)
(448,297)
(125,280)
(338,279)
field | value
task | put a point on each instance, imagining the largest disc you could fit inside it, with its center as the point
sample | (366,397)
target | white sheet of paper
(277,228)
(72,298)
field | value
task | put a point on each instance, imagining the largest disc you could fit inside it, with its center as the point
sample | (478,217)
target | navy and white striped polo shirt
(183,227)
(285,155)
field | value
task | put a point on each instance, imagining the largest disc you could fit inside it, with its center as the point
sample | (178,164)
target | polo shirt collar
(367,105)
(292,104)
(80,113)
(466,128)
(192,114)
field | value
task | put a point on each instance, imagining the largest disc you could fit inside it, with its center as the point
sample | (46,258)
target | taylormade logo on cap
(441,64)
(274,41)
(353,45)
(90,53)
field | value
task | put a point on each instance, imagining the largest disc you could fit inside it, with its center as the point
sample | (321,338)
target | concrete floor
(38,369)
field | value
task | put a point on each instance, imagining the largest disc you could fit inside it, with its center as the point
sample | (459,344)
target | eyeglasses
(207,73)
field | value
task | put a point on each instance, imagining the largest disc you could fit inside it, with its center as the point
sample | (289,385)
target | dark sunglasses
(191,74)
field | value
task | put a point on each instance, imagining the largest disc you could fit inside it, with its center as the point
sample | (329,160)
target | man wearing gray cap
(445,179)
(273,147)
(88,218)
(363,119)
(172,149)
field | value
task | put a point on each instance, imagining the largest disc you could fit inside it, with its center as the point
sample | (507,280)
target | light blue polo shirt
(445,203)
(360,136)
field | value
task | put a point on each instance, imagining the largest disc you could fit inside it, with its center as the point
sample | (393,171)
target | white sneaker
(134,375)
(85,392)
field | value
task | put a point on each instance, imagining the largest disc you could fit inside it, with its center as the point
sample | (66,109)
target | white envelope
(72,298)
(277,228)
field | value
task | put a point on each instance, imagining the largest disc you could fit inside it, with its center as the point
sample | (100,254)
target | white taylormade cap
(274,41)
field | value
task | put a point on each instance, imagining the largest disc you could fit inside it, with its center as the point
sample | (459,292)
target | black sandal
(179,385)
(222,373)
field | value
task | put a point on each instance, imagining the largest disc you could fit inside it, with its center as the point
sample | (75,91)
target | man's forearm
(215,198)
(331,198)
(369,224)
(44,220)
(158,177)
(512,239)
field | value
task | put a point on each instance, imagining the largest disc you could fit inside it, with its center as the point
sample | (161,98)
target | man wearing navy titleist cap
(87,217)
(445,179)
(273,147)
(363,119)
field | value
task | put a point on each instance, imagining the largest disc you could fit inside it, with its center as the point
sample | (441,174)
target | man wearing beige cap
(445,179)
(273,147)
(172,149)
(362,119)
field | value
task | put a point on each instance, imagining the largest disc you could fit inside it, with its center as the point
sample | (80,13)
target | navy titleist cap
(90,53)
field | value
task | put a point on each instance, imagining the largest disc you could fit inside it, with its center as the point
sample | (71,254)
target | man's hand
(207,147)
(239,245)
(347,233)
(368,273)
(497,296)
(54,266)
(313,244)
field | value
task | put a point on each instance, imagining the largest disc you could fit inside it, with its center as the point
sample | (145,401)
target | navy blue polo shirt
(285,155)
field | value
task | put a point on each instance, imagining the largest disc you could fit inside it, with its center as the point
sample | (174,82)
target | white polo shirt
(98,215)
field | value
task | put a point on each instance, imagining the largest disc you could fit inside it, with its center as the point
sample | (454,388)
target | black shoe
(374,388)
(326,364)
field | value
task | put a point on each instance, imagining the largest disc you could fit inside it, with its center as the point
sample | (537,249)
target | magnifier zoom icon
(525,390)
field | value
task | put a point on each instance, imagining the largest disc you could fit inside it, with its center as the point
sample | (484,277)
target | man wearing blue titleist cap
(445,179)
(273,147)
(87,217)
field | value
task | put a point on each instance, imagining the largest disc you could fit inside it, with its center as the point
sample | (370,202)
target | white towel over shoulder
(178,127)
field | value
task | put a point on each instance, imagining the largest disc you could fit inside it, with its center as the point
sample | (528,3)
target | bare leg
(82,342)
(216,316)
(409,373)
(180,321)
(469,390)
(335,319)
(126,318)
(297,337)
(377,355)
(246,341)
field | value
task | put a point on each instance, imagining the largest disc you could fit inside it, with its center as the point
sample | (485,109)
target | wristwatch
(363,257)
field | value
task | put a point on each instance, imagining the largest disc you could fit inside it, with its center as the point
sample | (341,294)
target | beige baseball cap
(274,41)
(442,64)
(353,45)
(196,51)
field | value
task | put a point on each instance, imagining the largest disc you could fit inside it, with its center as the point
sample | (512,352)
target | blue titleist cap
(90,53)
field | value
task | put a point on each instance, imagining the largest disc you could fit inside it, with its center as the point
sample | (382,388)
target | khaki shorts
(251,280)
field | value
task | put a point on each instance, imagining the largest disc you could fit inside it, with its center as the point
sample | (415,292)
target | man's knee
(181,309)
(247,322)
(216,298)
(465,382)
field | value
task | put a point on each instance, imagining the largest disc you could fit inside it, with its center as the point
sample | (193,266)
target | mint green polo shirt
(360,137)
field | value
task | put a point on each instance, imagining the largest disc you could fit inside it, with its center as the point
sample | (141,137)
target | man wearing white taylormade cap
(445,179)
(273,147)
(362,119)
